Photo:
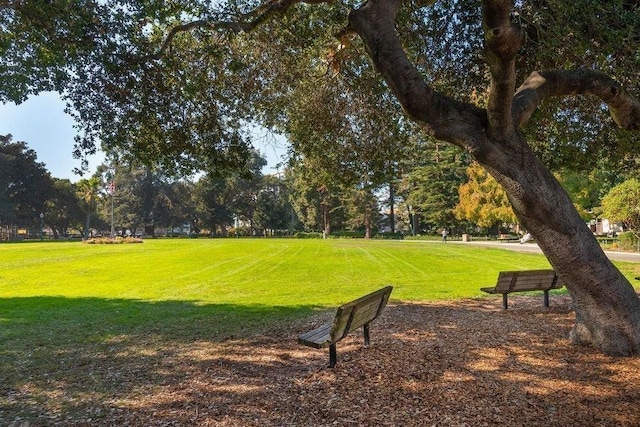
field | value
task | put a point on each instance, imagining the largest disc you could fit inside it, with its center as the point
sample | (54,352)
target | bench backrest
(509,281)
(357,313)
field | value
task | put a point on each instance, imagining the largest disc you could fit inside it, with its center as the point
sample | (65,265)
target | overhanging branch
(541,85)
(244,23)
(502,40)
(445,118)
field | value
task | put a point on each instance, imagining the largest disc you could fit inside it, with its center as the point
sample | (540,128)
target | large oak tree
(173,82)
(607,307)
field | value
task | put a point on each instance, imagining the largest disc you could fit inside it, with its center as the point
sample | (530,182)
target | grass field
(249,272)
(226,286)
(269,272)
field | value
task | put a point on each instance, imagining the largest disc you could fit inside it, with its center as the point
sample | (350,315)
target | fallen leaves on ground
(450,363)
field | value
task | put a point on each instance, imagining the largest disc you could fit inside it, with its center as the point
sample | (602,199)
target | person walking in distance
(444,235)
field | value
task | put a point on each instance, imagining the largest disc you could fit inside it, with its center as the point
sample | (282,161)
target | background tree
(186,210)
(63,209)
(483,201)
(88,191)
(273,208)
(622,204)
(430,186)
(214,198)
(315,196)
(25,184)
(361,208)
(587,188)
(244,186)
(159,202)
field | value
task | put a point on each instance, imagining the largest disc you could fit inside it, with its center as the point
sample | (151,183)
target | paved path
(532,247)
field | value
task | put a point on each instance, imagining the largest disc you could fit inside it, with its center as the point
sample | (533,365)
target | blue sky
(42,123)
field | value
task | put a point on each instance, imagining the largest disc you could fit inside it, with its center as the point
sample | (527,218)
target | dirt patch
(453,363)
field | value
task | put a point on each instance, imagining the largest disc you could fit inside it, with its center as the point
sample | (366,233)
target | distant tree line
(440,189)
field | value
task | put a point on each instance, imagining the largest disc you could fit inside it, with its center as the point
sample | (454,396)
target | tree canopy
(24,183)
(176,83)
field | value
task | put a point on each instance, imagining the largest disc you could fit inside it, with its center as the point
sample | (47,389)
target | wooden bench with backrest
(525,281)
(350,316)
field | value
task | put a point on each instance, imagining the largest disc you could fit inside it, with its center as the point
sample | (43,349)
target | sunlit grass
(271,272)
(258,271)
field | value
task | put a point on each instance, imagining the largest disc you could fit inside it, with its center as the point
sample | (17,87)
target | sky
(42,123)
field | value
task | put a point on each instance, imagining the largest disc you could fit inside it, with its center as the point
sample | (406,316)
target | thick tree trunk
(87,223)
(607,307)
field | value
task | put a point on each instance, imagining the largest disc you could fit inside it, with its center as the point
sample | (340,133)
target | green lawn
(81,325)
(272,272)
(269,272)
(212,288)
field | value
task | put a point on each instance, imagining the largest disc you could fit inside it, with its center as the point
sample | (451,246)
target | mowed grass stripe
(264,271)
(280,272)
(71,296)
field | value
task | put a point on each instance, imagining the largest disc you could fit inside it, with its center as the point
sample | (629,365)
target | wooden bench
(524,281)
(349,317)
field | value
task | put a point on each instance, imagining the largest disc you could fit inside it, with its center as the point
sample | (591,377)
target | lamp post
(112,190)
(41,224)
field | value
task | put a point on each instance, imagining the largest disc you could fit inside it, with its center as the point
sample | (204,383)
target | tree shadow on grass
(465,362)
(62,358)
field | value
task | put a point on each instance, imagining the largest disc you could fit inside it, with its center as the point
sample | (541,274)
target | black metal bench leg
(366,334)
(546,298)
(504,301)
(333,355)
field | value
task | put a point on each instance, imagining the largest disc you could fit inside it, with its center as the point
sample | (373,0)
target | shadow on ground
(114,362)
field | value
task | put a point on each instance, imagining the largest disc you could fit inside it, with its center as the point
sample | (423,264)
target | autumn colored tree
(482,200)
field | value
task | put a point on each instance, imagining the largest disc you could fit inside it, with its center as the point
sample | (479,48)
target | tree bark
(87,223)
(606,305)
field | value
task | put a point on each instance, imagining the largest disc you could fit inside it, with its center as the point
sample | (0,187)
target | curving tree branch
(445,118)
(244,23)
(502,39)
(541,85)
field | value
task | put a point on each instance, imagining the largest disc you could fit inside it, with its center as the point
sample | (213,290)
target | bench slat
(353,317)
(317,338)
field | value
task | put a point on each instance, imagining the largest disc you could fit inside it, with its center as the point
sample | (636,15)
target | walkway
(532,247)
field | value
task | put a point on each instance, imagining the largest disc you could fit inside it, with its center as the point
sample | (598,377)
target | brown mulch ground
(452,363)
